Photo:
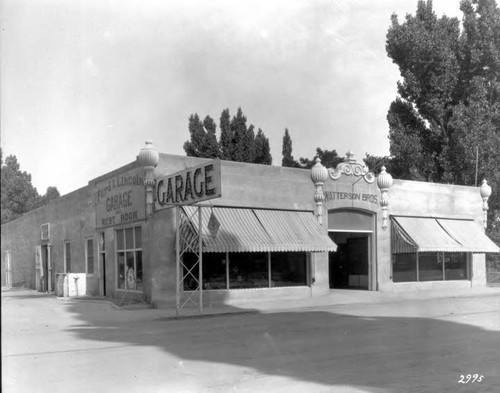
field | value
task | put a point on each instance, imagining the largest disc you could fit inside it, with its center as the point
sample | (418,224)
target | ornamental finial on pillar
(485,191)
(319,174)
(384,183)
(148,157)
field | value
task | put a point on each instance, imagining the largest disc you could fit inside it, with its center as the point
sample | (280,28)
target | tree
(211,145)
(375,163)
(237,141)
(243,138)
(18,195)
(203,142)
(262,150)
(226,135)
(286,151)
(329,159)
(51,194)
(448,104)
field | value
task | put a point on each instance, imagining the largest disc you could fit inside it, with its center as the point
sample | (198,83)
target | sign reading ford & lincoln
(191,185)
(121,199)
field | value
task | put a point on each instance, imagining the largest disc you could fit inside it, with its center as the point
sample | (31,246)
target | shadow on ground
(390,354)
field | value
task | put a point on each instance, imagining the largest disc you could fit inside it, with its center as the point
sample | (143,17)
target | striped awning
(258,230)
(469,234)
(423,234)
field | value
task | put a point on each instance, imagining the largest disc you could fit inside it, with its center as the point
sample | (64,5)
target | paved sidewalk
(332,299)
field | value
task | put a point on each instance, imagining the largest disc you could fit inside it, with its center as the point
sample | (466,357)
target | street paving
(396,345)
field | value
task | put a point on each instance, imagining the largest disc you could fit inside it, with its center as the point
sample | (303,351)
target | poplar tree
(237,141)
(226,135)
(262,150)
(242,138)
(286,151)
(211,148)
(194,147)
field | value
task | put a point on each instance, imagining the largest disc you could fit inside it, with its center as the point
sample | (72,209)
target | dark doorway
(45,269)
(349,266)
(102,262)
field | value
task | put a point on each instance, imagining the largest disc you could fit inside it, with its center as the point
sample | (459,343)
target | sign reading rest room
(191,185)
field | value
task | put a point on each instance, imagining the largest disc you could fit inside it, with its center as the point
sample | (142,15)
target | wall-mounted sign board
(191,185)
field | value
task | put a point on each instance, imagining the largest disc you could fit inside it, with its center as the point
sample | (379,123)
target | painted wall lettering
(121,199)
(335,195)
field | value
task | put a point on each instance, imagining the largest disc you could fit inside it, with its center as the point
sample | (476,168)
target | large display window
(288,269)
(429,266)
(248,270)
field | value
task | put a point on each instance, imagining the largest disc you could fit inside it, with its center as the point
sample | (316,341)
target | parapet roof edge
(435,184)
(123,168)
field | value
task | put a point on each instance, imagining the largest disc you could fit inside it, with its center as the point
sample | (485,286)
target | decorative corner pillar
(148,157)
(319,174)
(485,191)
(384,183)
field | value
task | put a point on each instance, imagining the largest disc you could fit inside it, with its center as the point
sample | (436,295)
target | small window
(90,255)
(45,231)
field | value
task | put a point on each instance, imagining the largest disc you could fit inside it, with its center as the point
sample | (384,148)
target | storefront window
(430,267)
(248,270)
(129,259)
(138,273)
(455,266)
(404,267)
(121,270)
(214,271)
(288,269)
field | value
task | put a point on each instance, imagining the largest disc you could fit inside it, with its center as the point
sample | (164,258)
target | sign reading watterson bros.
(191,185)
(121,199)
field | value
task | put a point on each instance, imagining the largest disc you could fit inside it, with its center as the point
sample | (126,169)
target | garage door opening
(352,266)
(349,265)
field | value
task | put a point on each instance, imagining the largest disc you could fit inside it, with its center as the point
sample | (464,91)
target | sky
(85,82)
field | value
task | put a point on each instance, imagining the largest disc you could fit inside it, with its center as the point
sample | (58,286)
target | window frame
(126,250)
(230,258)
(87,239)
(67,259)
(440,255)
